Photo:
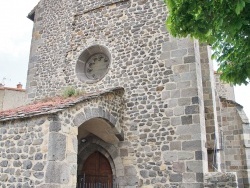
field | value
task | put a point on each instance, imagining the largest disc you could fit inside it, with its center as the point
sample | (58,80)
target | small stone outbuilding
(11,97)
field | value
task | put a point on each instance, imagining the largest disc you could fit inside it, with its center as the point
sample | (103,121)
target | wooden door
(97,169)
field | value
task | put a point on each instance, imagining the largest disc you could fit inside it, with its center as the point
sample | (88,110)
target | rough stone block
(72,157)
(57,172)
(189,92)
(179,167)
(130,170)
(198,155)
(27,164)
(165,95)
(199,177)
(123,152)
(40,121)
(175,177)
(38,156)
(165,55)
(175,145)
(152,173)
(131,180)
(188,129)
(170,156)
(185,43)
(144,173)
(17,164)
(178,53)
(192,185)
(175,94)
(195,100)
(57,146)
(168,46)
(55,126)
(181,68)
(170,86)
(191,145)
(194,166)
(186,120)
(107,115)
(79,119)
(4,163)
(73,169)
(100,111)
(112,120)
(27,174)
(38,141)
(74,143)
(95,112)
(169,112)
(48,186)
(38,175)
(184,101)
(179,111)
(189,59)
(4,178)
(189,177)
(194,109)
(175,121)
(173,61)
(38,167)
(87,112)
(164,148)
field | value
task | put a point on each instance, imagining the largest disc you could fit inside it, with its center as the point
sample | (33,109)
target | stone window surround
(83,58)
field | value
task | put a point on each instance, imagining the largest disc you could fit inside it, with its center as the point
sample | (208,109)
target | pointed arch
(108,150)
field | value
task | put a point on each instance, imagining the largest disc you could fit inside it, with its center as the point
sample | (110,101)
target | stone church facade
(150,106)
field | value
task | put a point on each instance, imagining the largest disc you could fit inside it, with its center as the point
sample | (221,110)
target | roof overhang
(31,15)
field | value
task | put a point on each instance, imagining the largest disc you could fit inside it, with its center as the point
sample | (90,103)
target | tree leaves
(224,24)
(240,6)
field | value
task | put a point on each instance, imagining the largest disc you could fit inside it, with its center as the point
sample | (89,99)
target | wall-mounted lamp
(83,140)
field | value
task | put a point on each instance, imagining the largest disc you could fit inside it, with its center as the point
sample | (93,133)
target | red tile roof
(49,106)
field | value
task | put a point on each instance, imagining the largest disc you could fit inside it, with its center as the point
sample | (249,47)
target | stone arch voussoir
(99,112)
(89,113)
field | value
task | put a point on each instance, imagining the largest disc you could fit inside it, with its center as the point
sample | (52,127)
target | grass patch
(71,92)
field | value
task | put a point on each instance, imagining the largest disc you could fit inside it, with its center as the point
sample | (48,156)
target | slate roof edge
(31,14)
(239,108)
(222,99)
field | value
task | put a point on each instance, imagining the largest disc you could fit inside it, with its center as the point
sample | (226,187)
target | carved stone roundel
(96,66)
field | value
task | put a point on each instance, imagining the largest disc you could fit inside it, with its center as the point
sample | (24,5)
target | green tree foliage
(224,24)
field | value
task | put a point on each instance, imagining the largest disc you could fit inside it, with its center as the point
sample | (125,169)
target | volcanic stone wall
(23,152)
(163,120)
(234,131)
(133,31)
(218,179)
(39,148)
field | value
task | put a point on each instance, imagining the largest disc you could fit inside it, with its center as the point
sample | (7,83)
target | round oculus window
(93,64)
(96,66)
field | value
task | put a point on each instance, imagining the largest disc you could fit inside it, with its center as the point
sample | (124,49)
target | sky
(15,39)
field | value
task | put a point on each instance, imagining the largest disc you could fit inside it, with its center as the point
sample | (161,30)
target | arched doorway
(96,155)
(96,171)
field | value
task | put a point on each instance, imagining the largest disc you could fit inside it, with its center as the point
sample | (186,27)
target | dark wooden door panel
(97,169)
